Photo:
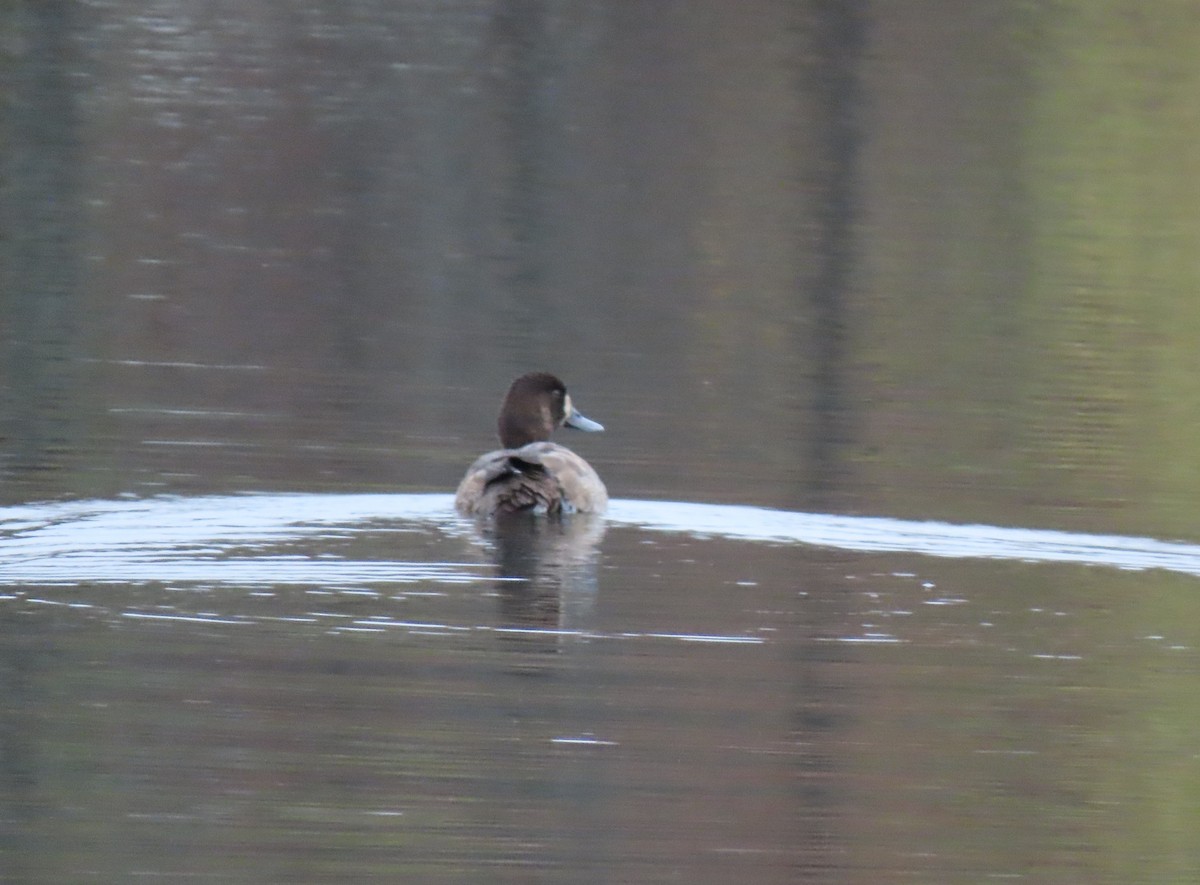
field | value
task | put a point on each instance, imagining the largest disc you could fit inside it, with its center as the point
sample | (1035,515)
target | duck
(529,473)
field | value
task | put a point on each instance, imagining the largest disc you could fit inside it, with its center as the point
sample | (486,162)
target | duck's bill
(579,422)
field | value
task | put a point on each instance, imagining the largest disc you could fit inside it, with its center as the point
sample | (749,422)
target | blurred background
(929,259)
(923,259)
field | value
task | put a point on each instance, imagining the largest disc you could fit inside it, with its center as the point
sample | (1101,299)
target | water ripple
(234,539)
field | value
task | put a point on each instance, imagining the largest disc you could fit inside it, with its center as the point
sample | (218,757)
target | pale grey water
(338,687)
(889,312)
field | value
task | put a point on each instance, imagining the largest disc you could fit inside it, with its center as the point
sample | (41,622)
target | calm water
(336,687)
(898,299)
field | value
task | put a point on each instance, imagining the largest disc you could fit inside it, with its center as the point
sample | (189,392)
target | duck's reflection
(548,576)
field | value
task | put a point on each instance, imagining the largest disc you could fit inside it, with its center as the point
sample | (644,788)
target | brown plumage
(530,473)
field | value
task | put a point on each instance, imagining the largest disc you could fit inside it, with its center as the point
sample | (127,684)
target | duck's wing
(541,476)
(579,487)
(507,481)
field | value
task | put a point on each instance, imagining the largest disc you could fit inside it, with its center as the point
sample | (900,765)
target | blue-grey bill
(579,422)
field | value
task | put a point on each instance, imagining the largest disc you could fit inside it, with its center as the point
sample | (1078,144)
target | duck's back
(543,477)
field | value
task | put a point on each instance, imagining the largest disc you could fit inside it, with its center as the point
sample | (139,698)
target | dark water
(899,296)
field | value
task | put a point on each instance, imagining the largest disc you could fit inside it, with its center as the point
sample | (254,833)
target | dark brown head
(537,404)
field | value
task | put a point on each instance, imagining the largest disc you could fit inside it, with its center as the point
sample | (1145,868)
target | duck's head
(537,404)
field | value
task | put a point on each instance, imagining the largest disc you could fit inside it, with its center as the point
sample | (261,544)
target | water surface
(900,298)
(364,686)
